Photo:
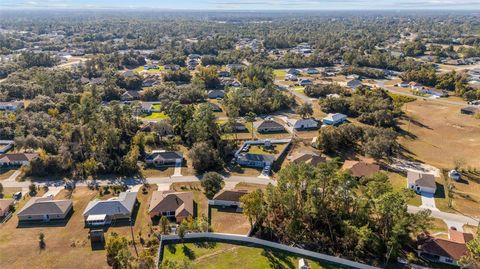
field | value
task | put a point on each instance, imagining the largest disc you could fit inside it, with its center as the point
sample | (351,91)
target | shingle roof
(122,205)
(45,205)
(269,124)
(444,247)
(459,237)
(180,202)
(5,203)
(360,169)
(18,157)
(165,155)
(230,195)
(421,179)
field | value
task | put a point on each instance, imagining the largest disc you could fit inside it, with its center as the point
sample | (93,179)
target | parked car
(17,195)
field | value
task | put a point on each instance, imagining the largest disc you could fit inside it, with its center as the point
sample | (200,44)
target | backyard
(226,256)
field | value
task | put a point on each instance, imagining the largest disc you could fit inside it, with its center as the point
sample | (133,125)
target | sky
(243,4)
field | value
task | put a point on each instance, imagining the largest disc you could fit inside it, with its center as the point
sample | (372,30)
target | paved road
(381,84)
(455,220)
(303,98)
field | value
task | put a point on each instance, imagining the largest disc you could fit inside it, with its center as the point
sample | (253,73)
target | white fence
(244,240)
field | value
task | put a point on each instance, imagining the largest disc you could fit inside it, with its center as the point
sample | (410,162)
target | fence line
(243,240)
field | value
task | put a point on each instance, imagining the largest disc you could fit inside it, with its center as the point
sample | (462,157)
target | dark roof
(269,124)
(165,155)
(256,157)
(421,179)
(230,195)
(361,169)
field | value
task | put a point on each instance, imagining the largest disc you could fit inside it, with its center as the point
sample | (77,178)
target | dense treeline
(327,210)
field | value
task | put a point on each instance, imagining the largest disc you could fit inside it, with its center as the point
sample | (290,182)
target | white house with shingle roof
(103,212)
(421,182)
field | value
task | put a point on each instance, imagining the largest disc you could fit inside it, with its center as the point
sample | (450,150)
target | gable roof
(310,158)
(459,237)
(230,195)
(164,155)
(269,124)
(123,204)
(5,203)
(444,247)
(45,205)
(17,157)
(335,117)
(360,168)
(421,179)
(164,201)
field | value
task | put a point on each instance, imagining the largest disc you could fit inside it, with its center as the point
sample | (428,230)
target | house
(470,110)
(214,94)
(149,82)
(98,81)
(291,77)
(130,95)
(403,84)
(11,106)
(442,250)
(435,92)
(270,126)
(305,82)
(5,206)
(17,158)
(312,71)
(360,169)
(6,145)
(171,204)
(162,158)
(302,264)
(416,86)
(255,160)
(354,84)
(227,198)
(421,182)
(128,74)
(224,74)
(334,119)
(146,107)
(103,212)
(237,127)
(303,124)
(45,209)
(309,158)
(215,107)
(293,71)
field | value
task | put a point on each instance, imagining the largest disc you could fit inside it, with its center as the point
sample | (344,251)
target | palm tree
(164,225)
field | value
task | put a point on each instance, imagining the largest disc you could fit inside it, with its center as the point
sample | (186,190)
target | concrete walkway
(163,186)
(178,168)
(53,191)
(428,201)
(14,176)
(452,220)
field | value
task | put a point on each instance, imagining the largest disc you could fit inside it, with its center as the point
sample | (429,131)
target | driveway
(53,191)
(406,165)
(428,201)
(178,168)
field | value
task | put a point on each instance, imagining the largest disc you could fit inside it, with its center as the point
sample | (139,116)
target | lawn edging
(249,241)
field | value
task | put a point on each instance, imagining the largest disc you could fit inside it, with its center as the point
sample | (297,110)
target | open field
(226,256)
(156,116)
(228,221)
(67,245)
(438,134)
(465,195)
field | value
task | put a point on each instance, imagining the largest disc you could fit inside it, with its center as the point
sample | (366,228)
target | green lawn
(277,148)
(279,73)
(140,69)
(299,89)
(399,183)
(156,107)
(157,116)
(226,256)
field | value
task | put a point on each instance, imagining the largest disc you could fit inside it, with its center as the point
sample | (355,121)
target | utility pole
(133,238)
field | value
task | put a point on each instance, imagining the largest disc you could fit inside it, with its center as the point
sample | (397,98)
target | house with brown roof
(171,204)
(442,250)
(45,209)
(17,158)
(310,158)
(162,158)
(421,182)
(270,126)
(5,206)
(360,168)
(227,198)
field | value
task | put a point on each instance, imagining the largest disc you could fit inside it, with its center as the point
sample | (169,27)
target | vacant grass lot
(438,134)
(228,221)
(157,116)
(226,256)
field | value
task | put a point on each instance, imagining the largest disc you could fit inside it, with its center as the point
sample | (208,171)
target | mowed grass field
(67,246)
(439,134)
(227,256)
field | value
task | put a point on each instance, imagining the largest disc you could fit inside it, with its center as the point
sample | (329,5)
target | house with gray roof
(162,158)
(104,212)
(421,182)
(45,209)
(269,126)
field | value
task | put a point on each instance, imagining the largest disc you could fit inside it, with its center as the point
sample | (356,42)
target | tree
(472,259)
(252,205)
(32,189)
(41,241)
(116,246)
(305,110)
(1,190)
(204,156)
(212,184)
(250,117)
(182,230)
(164,225)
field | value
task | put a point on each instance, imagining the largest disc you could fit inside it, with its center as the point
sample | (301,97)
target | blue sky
(244,4)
